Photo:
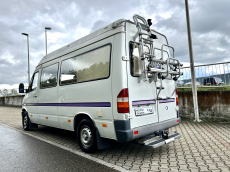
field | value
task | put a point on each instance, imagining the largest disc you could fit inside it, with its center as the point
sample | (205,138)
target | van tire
(86,136)
(26,122)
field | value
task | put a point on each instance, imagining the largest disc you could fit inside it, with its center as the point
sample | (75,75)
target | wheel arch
(82,115)
(23,111)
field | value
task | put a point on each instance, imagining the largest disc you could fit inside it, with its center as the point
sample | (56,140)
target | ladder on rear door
(153,69)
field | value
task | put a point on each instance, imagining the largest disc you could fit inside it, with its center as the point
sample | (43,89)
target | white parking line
(73,151)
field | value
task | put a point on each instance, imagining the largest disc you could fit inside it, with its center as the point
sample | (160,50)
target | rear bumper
(125,133)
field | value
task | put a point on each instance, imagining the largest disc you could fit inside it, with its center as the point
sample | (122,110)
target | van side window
(34,83)
(49,76)
(89,66)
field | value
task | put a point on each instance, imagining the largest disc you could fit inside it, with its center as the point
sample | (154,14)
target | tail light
(123,101)
(177,98)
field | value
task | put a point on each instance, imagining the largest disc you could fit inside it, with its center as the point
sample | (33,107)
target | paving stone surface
(202,147)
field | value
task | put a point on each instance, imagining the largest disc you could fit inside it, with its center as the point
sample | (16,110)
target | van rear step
(158,141)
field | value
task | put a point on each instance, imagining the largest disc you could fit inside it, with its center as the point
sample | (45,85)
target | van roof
(98,35)
(84,41)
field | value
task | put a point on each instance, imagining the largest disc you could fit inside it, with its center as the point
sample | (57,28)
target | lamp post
(193,75)
(46,28)
(28,56)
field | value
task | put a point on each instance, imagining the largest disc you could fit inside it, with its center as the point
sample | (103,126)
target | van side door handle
(35,96)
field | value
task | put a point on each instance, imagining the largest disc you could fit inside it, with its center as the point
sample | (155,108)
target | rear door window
(135,58)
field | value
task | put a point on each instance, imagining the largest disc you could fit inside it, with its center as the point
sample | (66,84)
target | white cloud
(8,87)
(53,37)
(220,49)
(7,56)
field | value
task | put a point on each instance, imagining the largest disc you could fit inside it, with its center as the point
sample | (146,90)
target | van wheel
(86,136)
(26,122)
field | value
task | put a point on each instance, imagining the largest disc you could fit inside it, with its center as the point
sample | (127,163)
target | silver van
(118,83)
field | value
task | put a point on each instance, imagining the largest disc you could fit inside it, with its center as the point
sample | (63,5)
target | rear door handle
(35,96)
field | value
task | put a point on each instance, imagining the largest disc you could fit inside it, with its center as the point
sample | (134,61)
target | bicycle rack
(151,69)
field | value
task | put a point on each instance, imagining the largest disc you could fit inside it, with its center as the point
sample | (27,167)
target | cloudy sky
(71,20)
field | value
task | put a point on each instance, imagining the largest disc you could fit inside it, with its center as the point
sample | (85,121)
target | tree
(6,92)
(13,92)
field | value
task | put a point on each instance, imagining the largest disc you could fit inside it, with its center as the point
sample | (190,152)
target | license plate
(144,111)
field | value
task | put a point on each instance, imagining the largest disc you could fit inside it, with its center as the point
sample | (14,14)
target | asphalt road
(20,152)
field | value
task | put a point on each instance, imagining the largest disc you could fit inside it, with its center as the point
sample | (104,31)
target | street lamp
(193,74)
(46,28)
(28,56)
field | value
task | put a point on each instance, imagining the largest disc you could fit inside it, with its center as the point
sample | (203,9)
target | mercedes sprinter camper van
(117,83)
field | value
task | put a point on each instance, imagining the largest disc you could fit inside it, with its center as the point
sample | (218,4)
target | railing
(208,75)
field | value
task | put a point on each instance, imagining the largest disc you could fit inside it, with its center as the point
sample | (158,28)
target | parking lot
(202,147)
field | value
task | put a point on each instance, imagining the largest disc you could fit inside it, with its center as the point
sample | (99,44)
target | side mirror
(21,88)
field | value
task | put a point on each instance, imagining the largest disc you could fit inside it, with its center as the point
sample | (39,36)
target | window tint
(49,76)
(89,66)
(34,83)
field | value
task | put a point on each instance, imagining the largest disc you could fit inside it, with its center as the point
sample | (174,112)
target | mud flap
(32,125)
(102,143)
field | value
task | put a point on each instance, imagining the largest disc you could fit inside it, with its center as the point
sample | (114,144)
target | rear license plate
(144,111)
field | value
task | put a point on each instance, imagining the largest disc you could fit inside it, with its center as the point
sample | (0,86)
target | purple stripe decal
(167,100)
(103,104)
(143,102)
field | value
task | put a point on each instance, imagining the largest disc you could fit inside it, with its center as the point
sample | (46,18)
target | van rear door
(142,96)
(166,96)
(145,107)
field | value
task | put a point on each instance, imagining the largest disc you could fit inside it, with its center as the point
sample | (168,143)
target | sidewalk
(202,147)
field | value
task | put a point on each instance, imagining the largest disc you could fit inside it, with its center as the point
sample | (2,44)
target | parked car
(190,83)
(212,81)
(180,83)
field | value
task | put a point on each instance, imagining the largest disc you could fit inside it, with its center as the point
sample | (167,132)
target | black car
(212,81)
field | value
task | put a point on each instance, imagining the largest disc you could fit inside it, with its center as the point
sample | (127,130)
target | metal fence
(209,75)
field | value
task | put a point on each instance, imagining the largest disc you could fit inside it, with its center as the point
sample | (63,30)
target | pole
(193,75)
(28,60)
(46,41)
